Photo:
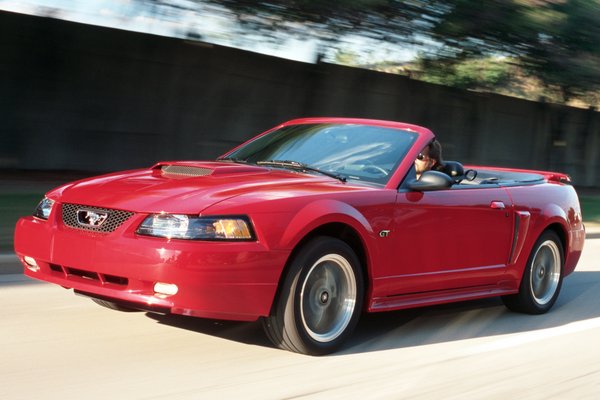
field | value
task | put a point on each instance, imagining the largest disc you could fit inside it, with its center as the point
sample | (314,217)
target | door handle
(499,205)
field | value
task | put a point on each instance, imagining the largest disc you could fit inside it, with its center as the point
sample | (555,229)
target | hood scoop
(184,170)
(192,169)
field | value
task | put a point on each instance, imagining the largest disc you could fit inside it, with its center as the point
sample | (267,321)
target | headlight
(43,208)
(177,226)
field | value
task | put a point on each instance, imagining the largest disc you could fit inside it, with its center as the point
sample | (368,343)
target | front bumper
(224,280)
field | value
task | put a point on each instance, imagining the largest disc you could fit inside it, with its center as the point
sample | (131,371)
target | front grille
(114,219)
(185,170)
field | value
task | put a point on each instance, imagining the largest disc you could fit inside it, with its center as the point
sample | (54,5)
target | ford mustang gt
(305,227)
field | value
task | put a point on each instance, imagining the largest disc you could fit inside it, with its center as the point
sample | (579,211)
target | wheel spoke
(545,272)
(328,298)
(320,298)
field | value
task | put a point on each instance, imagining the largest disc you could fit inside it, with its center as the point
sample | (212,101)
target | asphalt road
(55,345)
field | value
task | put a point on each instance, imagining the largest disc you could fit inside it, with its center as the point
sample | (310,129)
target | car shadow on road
(243,332)
(578,301)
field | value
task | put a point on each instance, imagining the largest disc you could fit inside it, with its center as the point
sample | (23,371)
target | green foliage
(483,73)
(590,208)
(347,57)
(558,41)
(571,58)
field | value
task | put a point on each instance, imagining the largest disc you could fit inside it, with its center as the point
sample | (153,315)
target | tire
(113,306)
(320,300)
(542,278)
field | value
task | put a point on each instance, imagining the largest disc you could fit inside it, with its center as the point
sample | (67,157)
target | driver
(430,158)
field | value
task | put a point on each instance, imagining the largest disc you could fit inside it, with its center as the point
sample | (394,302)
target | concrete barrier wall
(80,97)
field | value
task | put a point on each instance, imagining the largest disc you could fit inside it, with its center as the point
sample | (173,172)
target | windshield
(355,152)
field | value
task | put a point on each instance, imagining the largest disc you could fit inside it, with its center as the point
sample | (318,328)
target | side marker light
(167,289)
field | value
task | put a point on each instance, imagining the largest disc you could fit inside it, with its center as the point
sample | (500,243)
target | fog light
(31,264)
(168,289)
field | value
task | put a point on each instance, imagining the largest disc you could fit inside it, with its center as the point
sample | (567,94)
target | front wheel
(113,306)
(320,300)
(542,278)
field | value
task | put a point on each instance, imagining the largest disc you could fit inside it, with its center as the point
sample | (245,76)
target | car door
(450,239)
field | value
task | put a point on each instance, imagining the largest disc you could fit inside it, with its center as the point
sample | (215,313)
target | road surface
(55,345)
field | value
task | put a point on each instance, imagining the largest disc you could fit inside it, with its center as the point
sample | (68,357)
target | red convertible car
(307,226)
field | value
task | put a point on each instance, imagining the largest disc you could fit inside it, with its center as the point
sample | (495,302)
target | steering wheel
(335,166)
(376,168)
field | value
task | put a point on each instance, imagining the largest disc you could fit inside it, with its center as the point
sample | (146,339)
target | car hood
(186,187)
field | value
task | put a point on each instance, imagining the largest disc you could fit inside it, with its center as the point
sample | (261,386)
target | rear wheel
(542,278)
(320,300)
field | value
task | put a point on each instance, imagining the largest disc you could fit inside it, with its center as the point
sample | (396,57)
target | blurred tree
(570,56)
(325,20)
(555,40)
(462,41)
(382,19)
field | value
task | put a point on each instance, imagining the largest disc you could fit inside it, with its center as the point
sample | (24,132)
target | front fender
(321,212)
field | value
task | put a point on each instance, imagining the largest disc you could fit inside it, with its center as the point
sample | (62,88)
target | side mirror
(470,175)
(431,180)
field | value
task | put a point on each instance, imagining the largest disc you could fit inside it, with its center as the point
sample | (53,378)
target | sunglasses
(421,157)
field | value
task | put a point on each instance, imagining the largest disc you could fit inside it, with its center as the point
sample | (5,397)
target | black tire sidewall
(526,295)
(305,259)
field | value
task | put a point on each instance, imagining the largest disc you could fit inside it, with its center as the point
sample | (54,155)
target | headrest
(454,169)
